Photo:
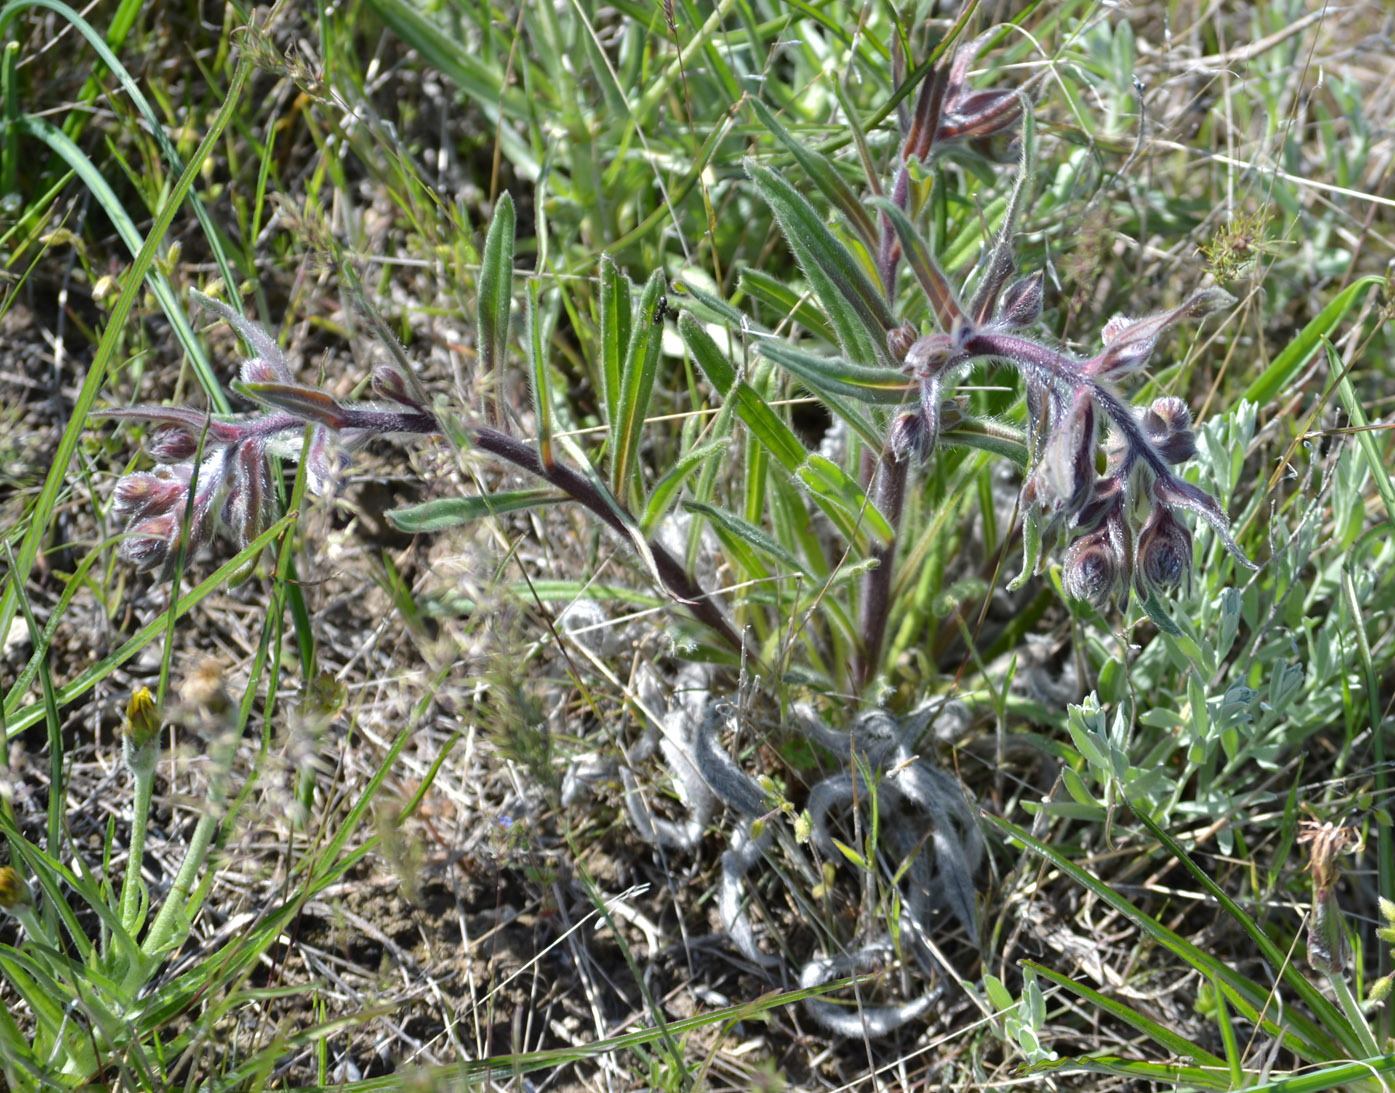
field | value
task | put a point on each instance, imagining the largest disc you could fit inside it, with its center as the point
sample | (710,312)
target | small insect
(662,311)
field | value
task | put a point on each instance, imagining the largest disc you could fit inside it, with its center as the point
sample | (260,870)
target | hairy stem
(889,497)
(581,489)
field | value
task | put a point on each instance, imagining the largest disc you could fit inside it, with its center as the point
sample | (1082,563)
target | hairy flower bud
(1164,552)
(1168,424)
(388,382)
(140,735)
(14,890)
(1069,460)
(147,494)
(900,340)
(173,446)
(910,435)
(1022,301)
(928,356)
(1093,571)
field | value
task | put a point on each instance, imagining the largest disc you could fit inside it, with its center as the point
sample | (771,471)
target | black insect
(662,311)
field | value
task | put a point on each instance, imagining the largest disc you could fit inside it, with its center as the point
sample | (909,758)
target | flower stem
(140,818)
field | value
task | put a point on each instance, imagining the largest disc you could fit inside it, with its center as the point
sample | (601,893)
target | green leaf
(1300,351)
(1164,1037)
(786,303)
(838,377)
(614,323)
(749,534)
(496,298)
(857,311)
(823,175)
(944,301)
(665,490)
(636,387)
(449,512)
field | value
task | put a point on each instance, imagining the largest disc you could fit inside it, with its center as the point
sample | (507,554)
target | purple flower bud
(150,543)
(388,382)
(246,507)
(173,446)
(325,462)
(1164,552)
(899,340)
(910,435)
(1093,571)
(928,356)
(1168,424)
(1022,301)
(1069,460)
(145,494)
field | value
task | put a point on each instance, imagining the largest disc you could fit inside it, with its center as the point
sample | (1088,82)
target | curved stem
(140,818)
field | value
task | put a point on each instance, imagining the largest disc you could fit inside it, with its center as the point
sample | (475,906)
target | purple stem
(581,489)
(889,497)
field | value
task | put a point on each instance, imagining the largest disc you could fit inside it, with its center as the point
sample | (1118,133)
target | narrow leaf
(859,314)
(496,299)
(832,375)
(823,175)
(944,302)
(448,512)
(636,386)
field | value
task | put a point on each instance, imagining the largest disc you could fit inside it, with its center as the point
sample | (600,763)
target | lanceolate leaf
(786,302)
(496,298)
(831,375)
(749,534)
(944,302)
(859,314)
(448,512)
(636,385)
(614,331)
(665,491)
(835,492)
(822,174)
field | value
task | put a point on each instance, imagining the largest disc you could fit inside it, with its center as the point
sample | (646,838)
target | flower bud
(1094,568)
(388,382)
(140,735)
(150,543)
(1022,301)
(910,435)
(256,370)
(146,493)
(1164,552)
(14,890)
(928,356)
(1069,460)
(173,446)
(1168,424)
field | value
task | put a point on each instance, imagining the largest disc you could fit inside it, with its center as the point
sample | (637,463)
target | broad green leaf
(857,311)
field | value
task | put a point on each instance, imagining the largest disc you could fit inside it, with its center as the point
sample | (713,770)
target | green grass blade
(730,525)
(542,382)
(1300,351)
(1163,1036)
(1330,1016)
(17,722)
(1164,1074)
(112,336)
(1299,1033)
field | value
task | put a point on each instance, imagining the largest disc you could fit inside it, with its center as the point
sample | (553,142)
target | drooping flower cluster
(214,472)
(1123,523)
